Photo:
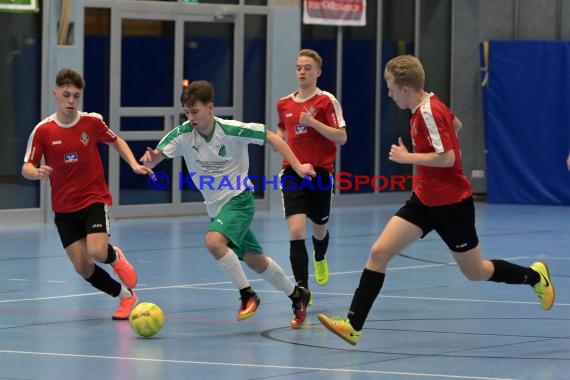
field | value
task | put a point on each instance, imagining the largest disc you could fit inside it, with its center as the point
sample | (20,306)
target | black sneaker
(249,303)
(300,308)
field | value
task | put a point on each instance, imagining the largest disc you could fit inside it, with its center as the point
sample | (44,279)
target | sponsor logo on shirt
(290,114)
(300,129)
(69,158)
(56,142)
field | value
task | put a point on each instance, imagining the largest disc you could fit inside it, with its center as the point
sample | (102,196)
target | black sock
(321,247)
(247,292)
(111,255)
(101,280)
(295,295)
(368,289)
(299,262)
(513,274)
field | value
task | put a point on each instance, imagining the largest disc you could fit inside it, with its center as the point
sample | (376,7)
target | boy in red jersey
(68,141)
(311,122)
(442,202)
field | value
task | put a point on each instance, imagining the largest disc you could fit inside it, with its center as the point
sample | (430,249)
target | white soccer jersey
(219,165)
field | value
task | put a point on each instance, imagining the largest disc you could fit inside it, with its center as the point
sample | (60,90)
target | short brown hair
(312,54)
(200,90)
(406,70)
(69,77)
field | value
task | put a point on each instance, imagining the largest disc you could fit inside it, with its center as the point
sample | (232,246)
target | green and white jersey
(219,164)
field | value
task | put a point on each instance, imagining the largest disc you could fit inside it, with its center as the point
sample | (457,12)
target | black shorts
(455,223)
(311,197)
(74,226)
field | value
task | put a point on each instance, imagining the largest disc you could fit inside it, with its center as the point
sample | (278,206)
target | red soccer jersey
(310,146)
(78,179)
(431,127)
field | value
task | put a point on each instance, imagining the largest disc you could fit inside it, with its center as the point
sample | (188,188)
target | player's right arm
(32,168)
(32,172)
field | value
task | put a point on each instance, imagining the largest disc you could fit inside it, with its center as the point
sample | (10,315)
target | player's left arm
(400,154)
(443,155)
(126,154)
(335,134)
(281,146)
(457,124)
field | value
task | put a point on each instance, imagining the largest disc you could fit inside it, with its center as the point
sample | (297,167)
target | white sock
(125,293)
(229,263)
(276,277)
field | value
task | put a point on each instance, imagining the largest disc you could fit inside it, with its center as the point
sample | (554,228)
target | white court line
(226,364)
(208,286)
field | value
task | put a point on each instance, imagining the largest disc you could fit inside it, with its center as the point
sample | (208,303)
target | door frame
(179,14)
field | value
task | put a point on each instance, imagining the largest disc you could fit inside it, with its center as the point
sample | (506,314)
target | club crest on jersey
(300,129)
(222,150)
(84,138)
(69,158)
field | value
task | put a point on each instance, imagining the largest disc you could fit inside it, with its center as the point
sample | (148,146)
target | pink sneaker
(126,305)
(124,269)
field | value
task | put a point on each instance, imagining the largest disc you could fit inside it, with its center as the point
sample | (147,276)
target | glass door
(153,53)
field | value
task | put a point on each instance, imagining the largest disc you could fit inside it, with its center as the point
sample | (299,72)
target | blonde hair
(406,70)
(312,54)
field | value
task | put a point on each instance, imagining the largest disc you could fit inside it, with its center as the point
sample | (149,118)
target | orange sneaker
(124,269)
(300,308)
(249,304)
(126,305)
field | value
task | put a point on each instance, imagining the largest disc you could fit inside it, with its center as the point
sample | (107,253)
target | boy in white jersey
(217,149)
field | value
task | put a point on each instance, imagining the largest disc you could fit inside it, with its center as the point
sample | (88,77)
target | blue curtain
(526,99)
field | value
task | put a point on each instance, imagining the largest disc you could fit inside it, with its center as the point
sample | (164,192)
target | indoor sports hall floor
(429,323)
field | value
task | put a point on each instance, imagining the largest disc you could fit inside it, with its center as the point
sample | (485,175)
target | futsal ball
(146,319)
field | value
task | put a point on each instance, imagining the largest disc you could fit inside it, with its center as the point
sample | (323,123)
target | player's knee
(297,232)
(214,244)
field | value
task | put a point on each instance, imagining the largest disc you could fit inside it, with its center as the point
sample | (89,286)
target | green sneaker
(341,327)
(544,288)
(321,271)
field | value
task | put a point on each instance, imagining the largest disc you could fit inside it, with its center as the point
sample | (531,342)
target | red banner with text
(335,12)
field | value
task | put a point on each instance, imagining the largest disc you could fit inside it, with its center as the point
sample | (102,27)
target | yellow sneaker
(321,271)
(544,288)
(341,327)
